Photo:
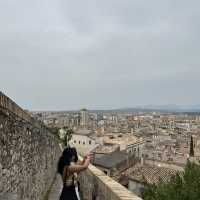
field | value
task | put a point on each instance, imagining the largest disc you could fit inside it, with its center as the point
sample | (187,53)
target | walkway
(55,191)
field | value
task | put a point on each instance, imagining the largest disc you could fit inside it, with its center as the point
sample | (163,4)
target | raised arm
(79,167)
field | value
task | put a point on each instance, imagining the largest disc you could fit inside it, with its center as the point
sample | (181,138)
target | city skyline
(99,55)
(137,108)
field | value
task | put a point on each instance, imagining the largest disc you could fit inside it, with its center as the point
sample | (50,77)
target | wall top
(112,186)
(9,105)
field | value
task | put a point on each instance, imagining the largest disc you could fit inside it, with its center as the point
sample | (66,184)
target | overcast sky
(63,55)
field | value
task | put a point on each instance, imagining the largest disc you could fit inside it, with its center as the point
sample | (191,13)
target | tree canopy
(183,186)
(191,147)
(68,136)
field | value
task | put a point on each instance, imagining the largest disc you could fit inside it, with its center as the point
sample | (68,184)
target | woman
(68,167)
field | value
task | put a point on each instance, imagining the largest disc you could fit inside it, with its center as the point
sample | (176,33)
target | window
(74,141)
(79,142)
(83,143)
(90,142)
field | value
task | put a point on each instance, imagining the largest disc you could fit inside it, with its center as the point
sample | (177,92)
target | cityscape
(134,148)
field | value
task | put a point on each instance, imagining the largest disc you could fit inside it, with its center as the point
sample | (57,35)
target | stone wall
(95,185)
(28,154)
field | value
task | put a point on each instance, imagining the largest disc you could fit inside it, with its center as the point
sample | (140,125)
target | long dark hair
(66,158)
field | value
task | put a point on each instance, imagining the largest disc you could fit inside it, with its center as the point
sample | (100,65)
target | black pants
(68,193)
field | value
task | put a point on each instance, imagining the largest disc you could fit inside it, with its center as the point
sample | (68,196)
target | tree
(183,186)
(68,135)
(191,147)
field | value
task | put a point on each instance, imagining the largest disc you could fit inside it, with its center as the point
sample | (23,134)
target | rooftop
(151,174)
(83,131)
(127,139)
(111,160)
(105,149)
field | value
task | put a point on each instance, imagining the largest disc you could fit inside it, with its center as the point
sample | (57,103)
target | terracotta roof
(151,174)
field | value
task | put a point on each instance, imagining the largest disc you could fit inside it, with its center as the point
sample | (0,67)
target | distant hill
(152,108)
(147,108)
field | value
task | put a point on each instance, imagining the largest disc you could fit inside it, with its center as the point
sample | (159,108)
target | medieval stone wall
(95,185)
(28,154)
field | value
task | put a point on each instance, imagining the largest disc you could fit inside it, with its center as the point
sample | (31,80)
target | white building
(83,141)
(128,142)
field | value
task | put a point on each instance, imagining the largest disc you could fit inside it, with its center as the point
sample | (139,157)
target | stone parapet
(10,106)
(95,185)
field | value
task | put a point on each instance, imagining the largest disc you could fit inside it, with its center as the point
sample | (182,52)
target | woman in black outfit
(68,167)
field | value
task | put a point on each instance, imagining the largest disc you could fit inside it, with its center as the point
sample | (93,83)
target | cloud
(99,54)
